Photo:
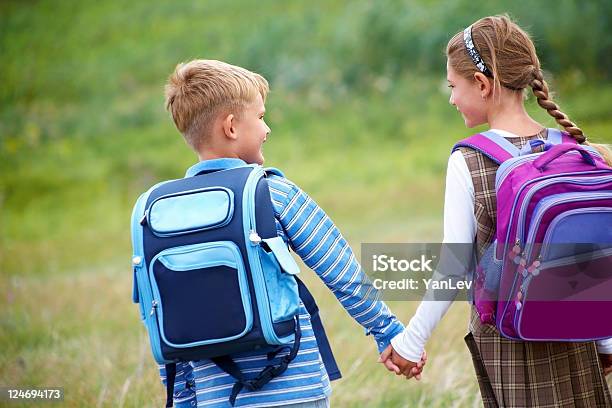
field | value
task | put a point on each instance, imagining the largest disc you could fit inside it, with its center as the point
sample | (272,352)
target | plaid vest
(482,170)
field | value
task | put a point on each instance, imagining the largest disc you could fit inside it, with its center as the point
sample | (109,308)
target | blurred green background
(359,119)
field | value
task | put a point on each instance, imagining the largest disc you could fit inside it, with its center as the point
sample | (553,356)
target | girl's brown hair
(511,57)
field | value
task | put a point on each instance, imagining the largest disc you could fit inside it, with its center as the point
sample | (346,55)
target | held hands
(400,366)
(606,363)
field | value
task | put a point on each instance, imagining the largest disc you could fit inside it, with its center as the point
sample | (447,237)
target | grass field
(83,132)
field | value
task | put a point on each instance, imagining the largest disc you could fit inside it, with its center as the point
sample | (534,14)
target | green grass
(83,132)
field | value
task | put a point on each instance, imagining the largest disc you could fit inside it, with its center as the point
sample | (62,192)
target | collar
(214,164)
(505,133)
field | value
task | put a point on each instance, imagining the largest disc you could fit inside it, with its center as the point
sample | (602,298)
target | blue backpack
(212,277)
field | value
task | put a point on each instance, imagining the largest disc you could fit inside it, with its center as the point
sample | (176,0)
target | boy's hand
(606,363)
(400,366)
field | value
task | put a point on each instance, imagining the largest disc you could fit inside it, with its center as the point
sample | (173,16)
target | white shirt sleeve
(459,227)
(604,346)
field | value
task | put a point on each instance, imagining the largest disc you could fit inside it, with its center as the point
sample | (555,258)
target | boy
(219,109)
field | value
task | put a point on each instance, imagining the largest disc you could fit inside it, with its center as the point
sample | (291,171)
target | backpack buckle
(262,379)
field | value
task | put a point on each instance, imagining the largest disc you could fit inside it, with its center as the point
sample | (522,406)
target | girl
(489,65)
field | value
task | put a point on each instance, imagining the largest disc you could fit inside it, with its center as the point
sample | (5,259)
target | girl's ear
(484,84)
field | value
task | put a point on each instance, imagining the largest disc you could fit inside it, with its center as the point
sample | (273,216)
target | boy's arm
(315,238)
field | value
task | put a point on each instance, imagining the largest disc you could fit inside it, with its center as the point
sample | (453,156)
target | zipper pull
(535,267)
(515,253)
(517,247)
(143,220)
(153,306)
(136,260)
(254,237)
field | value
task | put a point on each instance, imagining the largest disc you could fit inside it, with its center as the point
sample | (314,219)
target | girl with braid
(490,65)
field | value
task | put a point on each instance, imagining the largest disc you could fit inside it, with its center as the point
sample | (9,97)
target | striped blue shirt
(314,237)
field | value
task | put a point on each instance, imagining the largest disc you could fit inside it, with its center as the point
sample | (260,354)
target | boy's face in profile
(252,132)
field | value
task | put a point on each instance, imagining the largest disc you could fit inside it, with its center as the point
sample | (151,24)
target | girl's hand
(606,363)
(400,366)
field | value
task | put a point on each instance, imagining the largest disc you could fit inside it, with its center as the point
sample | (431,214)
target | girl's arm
(459,227)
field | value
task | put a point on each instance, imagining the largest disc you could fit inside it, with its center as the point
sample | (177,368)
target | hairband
(471,49)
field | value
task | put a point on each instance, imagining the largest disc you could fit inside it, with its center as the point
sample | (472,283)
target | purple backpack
(548,274)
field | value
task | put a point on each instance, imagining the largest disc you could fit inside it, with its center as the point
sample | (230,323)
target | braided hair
(540,90)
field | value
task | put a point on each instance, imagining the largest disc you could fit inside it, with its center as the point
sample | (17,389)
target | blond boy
(219,109)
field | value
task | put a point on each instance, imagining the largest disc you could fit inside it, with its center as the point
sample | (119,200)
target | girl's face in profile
(466,96)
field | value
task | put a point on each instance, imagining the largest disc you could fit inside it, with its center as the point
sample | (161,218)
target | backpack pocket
(191,211)
(492,268)
(571,286)
(279,267)
(200,294)
(487,282)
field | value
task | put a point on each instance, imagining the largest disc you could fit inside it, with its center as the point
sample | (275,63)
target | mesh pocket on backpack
(492,268)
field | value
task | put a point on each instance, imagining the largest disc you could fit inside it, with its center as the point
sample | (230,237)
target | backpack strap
(553,138)
(273,171)
(499,149)
(329,361)
(491,144)
(170,377)
(567,138)
(230,367)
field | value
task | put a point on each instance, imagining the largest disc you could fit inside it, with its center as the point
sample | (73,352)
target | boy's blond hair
(199,90)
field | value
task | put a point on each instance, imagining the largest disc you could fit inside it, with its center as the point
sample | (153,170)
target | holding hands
(400,366)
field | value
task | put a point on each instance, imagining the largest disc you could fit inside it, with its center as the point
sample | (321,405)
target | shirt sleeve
(459,228)
(317,241)
(604,346)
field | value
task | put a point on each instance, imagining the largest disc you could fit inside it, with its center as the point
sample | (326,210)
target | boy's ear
(228,124)
(484,84)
